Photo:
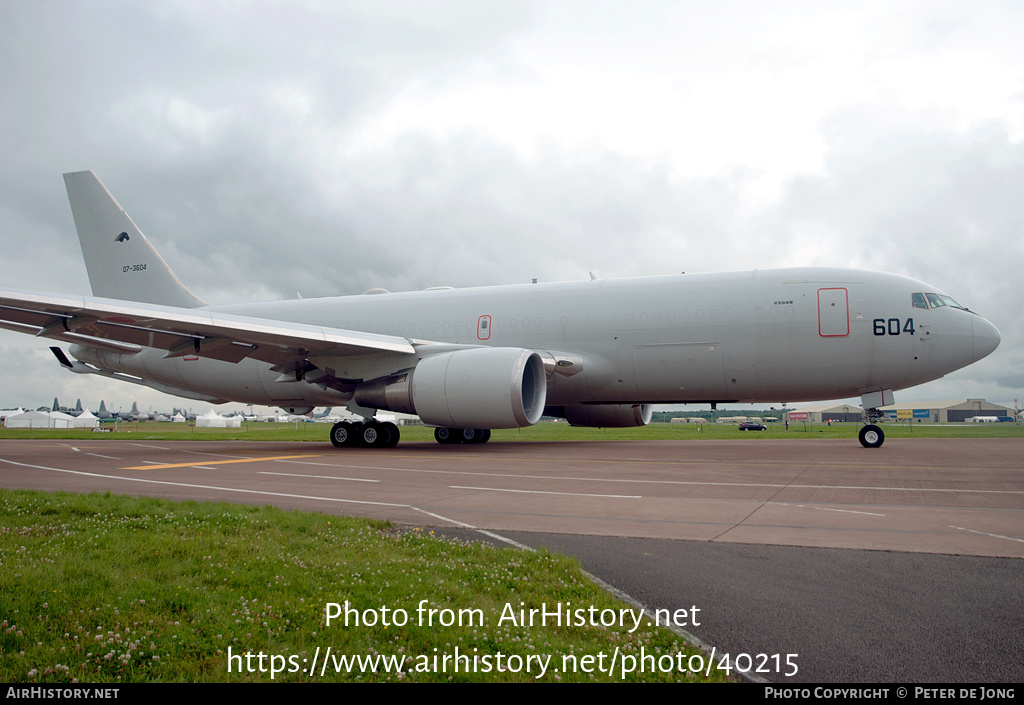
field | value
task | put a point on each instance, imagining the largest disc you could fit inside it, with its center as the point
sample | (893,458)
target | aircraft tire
(373,435)
(447,435)
(476,435)
(871,436)
(343,435)
(392,434)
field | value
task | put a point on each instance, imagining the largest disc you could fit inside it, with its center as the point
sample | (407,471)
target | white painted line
(108,457)
(206,487)
(697,483)
(316,477)
(453,521)
(827,509)
(995,536)
(569,494)
(216,455)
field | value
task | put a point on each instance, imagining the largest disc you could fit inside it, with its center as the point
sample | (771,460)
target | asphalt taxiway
(933,496)
(746,528)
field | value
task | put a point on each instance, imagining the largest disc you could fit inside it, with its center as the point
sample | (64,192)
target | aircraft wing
(123,326)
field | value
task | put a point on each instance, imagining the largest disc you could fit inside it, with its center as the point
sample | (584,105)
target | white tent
(86,419)
(215,420)
(39,419)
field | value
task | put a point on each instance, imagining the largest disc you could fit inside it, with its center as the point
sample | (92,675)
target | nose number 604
(893,326)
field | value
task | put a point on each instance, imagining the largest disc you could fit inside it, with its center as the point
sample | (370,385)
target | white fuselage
(761,336)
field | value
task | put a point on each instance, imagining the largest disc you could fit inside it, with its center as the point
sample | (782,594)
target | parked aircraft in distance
(597,352)
(77,410)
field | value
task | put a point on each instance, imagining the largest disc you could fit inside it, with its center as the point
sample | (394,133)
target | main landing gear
(462,435)
(378,434)
(370,434)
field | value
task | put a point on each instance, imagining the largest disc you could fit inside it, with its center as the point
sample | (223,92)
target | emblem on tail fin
(97,214)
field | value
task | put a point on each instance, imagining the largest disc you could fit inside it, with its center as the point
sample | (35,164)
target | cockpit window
(929,300)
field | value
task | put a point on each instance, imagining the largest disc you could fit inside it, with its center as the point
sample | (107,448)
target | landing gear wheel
(446,435)
(476,435)
(343,435)
(469,436)
(372,435)
(871,436)
(391,433)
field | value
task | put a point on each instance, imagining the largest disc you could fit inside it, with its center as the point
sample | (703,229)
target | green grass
(102,588)
(256,431)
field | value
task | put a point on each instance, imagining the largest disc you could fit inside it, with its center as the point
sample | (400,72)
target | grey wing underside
(127,327)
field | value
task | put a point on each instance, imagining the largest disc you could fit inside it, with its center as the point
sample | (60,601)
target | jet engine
(605,415)
(472,388)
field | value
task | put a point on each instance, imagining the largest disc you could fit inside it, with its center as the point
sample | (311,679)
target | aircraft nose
(986,337)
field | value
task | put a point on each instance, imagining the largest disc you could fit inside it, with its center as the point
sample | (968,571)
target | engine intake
(474,388)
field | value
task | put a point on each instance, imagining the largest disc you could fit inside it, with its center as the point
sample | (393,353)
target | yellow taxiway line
(221,462)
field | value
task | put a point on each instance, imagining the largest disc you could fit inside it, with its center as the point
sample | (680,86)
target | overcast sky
(269,148)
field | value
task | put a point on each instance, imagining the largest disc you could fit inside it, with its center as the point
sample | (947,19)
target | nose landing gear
(871,436)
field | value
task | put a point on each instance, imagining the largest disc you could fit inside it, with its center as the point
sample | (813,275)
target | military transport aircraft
(597,353)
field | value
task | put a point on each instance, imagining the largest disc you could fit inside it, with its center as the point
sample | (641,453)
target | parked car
(752,426)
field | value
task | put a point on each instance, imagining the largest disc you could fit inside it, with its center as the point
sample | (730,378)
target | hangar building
(955,411)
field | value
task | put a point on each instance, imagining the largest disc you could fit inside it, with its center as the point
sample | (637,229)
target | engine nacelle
(474,388)
(607,415)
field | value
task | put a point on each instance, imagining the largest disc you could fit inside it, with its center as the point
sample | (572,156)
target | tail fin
(121,262)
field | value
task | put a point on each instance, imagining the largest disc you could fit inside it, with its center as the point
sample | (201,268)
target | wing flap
(122,325)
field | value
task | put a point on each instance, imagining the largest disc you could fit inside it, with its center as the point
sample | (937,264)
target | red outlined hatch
(833,313)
